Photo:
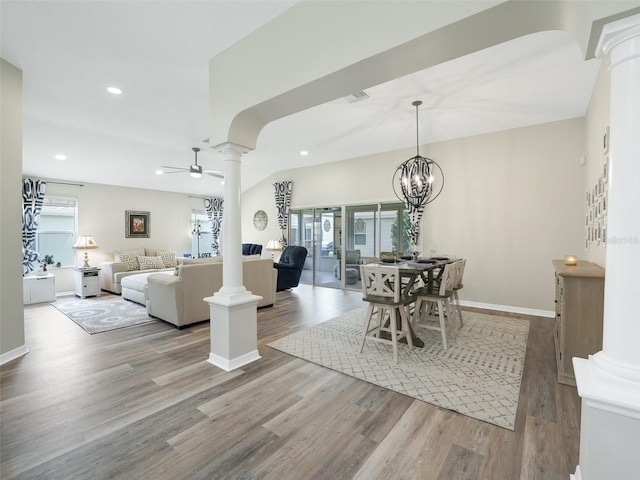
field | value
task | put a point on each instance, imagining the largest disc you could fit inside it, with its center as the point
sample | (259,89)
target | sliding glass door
(318,230)
(394,229)
(339,240)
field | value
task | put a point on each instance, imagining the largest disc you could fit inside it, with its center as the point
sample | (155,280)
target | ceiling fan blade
(212,173)
(194,170)
(180,169)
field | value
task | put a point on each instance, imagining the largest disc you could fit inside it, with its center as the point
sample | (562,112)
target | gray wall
(101,213)
(513,201)
(12,342)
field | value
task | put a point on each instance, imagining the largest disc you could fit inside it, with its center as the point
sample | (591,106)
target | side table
(86,282)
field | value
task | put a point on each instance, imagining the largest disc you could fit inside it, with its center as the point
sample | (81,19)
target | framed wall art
(137,224)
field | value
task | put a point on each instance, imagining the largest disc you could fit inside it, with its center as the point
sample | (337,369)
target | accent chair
(290,267)
(251,249)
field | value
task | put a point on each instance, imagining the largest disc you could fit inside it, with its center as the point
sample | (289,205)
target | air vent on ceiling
(357,96)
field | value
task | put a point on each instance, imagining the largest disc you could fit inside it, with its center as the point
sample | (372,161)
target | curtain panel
(282,195)
(214,207)
(415,215)
(32,200)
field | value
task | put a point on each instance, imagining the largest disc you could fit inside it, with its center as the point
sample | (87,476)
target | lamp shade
(85,242)
(273,245)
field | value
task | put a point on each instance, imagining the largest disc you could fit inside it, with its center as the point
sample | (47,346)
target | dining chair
(457,285)
(382,288)
(436,299)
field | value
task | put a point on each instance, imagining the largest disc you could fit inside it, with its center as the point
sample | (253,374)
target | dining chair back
(382,289)
(435,299)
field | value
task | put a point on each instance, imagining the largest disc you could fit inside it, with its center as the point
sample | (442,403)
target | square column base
(609,425)
(233,330)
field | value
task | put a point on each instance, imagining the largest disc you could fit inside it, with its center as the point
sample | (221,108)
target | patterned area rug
(103,313)
(478,376)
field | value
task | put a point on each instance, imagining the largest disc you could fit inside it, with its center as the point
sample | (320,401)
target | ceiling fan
(194,170)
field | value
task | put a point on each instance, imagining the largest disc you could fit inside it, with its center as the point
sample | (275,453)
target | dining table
(425,269)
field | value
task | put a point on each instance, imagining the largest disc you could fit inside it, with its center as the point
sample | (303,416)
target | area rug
(478,376)
(103,313)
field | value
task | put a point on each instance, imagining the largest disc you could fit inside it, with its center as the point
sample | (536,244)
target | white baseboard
(13,354)
(576,476)
(509,308)
(232,364)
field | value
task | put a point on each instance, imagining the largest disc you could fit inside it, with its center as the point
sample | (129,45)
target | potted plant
(47,260)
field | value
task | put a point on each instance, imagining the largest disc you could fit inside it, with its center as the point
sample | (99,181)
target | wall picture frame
(137,224)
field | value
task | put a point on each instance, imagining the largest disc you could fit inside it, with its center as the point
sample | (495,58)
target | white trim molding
(231,364)
(509,308)
(13,354)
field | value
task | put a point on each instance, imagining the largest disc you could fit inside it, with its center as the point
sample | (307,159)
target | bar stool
(382,288)
(440,296)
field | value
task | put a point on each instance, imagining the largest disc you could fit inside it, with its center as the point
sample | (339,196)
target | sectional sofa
(134,262)
(178,298)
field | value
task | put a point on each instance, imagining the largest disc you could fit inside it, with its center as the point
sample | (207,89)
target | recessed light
(60,157)
(304,152)
(159,172)
(114,90)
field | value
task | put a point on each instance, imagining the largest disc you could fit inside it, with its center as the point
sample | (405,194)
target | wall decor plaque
(260,220)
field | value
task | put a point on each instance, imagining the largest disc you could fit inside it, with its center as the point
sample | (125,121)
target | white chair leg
(367,322)
(406,325)
(457,303)
(451,317)
(394,334)
(443,327)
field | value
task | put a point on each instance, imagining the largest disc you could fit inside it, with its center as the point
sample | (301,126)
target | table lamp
(273,246)
(85,242)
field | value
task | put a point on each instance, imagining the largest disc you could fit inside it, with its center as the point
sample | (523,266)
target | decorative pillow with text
(147,263)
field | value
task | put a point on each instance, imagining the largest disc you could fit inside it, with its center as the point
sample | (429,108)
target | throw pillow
(130,259)
(147,263)
(168,258)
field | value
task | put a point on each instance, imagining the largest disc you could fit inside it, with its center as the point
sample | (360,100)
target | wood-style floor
(143,403)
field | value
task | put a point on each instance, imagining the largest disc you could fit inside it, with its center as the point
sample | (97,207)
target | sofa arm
(165,298)
(107,279)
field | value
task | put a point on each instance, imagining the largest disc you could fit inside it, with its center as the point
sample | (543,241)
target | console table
(579,312)
(39,288)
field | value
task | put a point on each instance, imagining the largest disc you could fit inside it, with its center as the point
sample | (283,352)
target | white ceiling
(71,51)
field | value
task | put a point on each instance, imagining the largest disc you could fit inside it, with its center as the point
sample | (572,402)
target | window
(57,229)
(360,230)
(201,235)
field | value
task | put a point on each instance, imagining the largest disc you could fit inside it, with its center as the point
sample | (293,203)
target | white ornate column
(609,381)
(233,310)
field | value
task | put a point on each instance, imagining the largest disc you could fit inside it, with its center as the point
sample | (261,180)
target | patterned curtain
(32,199)
(214,207)
(415,215)
(283,204)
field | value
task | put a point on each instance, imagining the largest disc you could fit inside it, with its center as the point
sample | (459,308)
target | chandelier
(415,177)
